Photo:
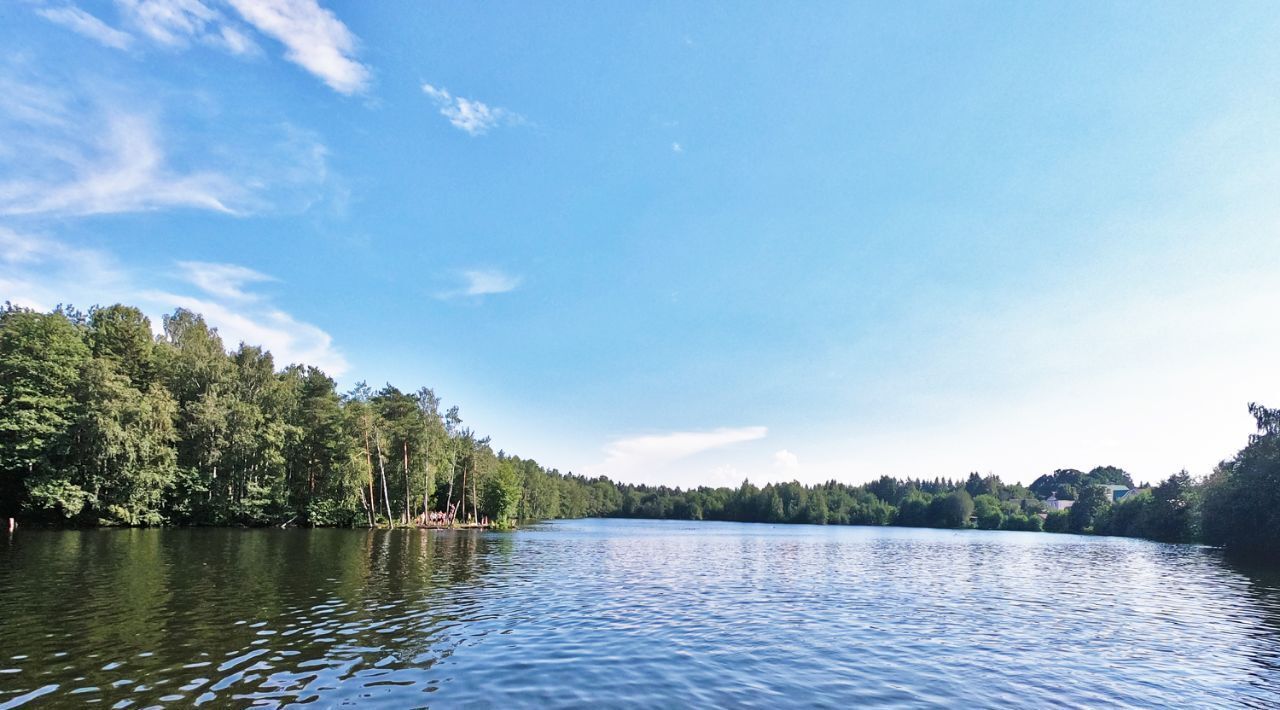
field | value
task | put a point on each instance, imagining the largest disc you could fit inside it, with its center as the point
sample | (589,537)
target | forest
(104,422)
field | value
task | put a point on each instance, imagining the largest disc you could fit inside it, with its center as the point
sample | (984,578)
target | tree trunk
(368,457)
(448,501)
(462,498)
(426,479)
(407,505)
(365,504)
(382,470)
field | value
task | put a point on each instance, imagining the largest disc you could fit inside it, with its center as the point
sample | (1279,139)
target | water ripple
(631,613)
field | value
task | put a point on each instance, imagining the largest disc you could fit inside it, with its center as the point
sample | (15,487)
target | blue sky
(686,243)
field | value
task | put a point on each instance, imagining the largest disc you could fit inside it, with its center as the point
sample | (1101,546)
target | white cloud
(785,460)
(51,166)
(481,283)
(177,23)
(645,457)
(289,340)
(677,148)
(223,280)
(16,248)
(120,169)
(170,22)
(41,272)
(468,115)
(237,42)
(315,39)
(83,23)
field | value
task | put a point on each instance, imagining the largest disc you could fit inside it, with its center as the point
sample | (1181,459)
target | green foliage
(103,423)
(122,335)
(987,509)
(1067,483)
(951,510)
(123,450)
(41,356)
(1058,521)
(1241,499)
(1167,513)
(1021,522)
(1091,502)
(913,511)
(501,497)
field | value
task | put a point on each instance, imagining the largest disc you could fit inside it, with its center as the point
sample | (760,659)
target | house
(1052,503)
(1115,493)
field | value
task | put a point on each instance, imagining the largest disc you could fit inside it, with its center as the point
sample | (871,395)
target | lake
(629,613)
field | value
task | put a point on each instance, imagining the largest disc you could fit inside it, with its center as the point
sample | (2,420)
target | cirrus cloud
(223,280)
(83,23)
(645,455)
(468,115)
(313,37)
(482,282)
(51,167)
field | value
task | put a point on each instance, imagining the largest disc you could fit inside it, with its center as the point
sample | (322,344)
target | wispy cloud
(482,282)
(646,455)
(51,166)
(40,272)
(315,39)
(83,23)
(468,115)
(223,280)
(178,23)
(677,148)
(16,248)
(122,169)
(291,341)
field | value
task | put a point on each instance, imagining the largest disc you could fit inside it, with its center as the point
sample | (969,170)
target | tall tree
(1241,506)
(41,356)
(123,448)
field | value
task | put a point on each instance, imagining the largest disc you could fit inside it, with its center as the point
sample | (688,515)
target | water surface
(633,613)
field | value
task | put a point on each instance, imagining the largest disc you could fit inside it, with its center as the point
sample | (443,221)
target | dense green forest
(103,422)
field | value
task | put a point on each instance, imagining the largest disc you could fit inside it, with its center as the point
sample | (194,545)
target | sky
(686,243)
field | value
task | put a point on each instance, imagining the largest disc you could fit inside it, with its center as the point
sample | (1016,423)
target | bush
(987,508)
(1059,521)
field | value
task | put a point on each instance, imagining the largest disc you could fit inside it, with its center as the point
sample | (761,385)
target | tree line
(104,422)
(1237,506)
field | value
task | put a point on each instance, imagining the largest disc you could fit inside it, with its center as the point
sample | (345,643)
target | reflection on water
(630,612)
